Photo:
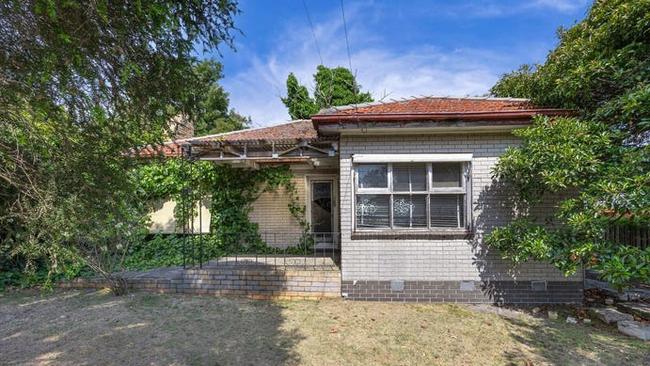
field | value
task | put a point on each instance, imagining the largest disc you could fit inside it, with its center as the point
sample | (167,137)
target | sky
(398,48)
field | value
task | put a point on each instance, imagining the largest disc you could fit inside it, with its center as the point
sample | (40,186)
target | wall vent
(538,285)
(467,286)
(397,285)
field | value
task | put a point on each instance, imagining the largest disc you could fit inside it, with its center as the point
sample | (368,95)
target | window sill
(412,234)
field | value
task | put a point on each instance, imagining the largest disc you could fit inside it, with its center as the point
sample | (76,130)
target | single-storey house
(404,189)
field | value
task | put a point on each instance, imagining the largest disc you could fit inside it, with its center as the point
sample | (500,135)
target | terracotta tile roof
(435,108)
(294,130)
(291,131)
(435,105)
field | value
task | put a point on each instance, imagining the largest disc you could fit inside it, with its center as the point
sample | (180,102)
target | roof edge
(439,116)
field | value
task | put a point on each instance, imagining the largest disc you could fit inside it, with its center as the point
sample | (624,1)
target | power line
(347,41)
(313,32)
(320,56)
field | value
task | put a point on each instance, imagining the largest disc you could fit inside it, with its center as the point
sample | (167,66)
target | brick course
(497,292)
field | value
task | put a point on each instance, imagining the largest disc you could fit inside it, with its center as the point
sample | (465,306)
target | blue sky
(398,48)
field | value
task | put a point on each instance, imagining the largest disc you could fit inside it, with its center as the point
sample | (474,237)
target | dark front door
(322,215)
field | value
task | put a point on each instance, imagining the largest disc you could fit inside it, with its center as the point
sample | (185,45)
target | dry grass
(94,328)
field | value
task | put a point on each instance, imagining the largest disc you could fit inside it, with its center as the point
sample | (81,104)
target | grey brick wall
(444,259)
(500,292)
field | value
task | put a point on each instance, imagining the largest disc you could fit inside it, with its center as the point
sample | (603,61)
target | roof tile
(435,105)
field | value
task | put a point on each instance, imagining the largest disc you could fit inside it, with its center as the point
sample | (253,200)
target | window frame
(464,189)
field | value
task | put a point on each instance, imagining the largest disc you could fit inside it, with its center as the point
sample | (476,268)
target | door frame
(333,179)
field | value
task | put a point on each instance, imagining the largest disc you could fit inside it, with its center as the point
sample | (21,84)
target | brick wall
(500,292)
(261,282)
(271,212)
(428,260)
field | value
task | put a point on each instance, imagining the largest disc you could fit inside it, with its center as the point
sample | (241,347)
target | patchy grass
(93,328)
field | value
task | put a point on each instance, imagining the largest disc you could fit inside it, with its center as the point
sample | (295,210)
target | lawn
(94,328)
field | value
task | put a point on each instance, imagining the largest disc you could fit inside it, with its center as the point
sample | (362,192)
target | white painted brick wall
(435,260)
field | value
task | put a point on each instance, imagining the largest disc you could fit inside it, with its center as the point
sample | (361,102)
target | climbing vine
(231,193)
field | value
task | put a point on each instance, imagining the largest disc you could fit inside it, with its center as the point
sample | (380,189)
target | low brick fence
(263,282)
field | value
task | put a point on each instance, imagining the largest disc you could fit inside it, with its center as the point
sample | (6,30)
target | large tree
(212,114)
(333,87)
(599,159)
(82,83)
(298,101)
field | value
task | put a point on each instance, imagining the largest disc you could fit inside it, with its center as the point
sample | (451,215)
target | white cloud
(561,5)
(500,8)
(425,70)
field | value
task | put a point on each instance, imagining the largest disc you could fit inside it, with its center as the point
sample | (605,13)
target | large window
(411,195)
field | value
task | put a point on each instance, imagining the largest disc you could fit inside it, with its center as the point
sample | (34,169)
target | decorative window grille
(408,195)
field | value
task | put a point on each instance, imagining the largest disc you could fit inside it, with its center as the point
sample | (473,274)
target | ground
(95,328)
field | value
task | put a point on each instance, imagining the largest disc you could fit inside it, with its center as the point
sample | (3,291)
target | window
(412,195)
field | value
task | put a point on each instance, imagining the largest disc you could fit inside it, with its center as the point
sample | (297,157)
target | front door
(322,212)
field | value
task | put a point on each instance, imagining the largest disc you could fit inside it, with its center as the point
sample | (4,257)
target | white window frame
(428,160)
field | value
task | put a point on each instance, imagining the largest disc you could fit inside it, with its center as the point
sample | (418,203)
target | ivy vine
(231,191)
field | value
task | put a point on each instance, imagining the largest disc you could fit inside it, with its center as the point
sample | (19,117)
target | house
(404,189)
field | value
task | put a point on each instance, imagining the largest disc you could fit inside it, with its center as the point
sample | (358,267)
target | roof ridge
(335,109)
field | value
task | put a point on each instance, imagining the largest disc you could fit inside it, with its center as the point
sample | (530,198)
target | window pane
(409,177)
(447,210)
(447,174)
(410,210)
(372,175)
(372,210)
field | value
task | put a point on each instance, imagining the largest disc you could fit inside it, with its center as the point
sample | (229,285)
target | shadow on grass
(559,343)
(93,328)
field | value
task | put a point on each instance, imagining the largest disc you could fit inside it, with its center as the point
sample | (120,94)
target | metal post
(201,229)
(186,154)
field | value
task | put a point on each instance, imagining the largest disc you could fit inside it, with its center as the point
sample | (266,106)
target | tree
(333,87)
(517,83)
(298,101)
(212,114)
(81,85)
(337,86)
(599,159)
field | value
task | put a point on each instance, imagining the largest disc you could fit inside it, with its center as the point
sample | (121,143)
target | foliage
(517,83)
(567,153)
(337,86)
(211,113)
(333,87)
(598,161)
(600,67)
(231,193)
(103,77)
(156,252)
(298,101)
